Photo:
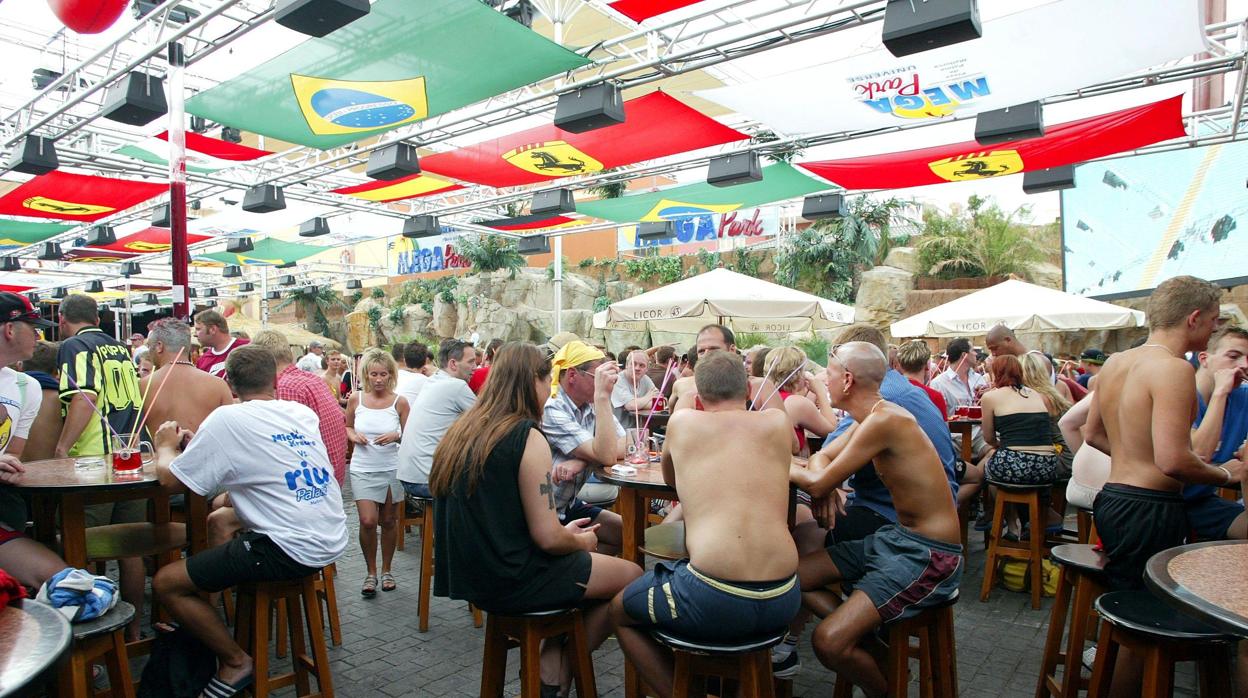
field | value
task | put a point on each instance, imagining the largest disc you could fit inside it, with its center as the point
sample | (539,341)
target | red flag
(655,125)
(147,241)
(1065,144)
(11,288)
(540,221)
(75,197)
(408,187)
(90,254)
(217,148)
(638,10)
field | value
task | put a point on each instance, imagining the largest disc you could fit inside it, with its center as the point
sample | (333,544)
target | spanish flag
(655,126)
(534,222)
(408,187)
(1065,144)
(75,197)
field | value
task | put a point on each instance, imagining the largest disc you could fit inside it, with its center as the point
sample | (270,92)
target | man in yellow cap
(580,425)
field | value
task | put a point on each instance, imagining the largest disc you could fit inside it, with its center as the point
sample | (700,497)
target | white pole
(264,296)
(558,250)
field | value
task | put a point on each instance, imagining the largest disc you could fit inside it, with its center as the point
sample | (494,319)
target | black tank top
(1024,429)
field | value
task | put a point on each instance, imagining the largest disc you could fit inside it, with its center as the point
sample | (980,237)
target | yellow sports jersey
(100,367)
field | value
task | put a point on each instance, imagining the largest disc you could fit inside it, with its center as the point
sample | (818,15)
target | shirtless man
(720,338)
(738,583)
(900,569)
(194,393)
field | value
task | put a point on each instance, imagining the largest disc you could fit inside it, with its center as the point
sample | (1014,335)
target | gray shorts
(374,487)
(901,571)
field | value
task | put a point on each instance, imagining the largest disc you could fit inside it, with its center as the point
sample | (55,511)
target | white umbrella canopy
(741,302)
(1020,306)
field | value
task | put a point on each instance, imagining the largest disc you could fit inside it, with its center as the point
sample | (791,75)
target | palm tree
(983,242)
(491,253)
(317,299)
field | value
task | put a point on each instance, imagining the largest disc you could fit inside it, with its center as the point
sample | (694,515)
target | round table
(33,638)
(633,504)
(1208,581)
(58,482)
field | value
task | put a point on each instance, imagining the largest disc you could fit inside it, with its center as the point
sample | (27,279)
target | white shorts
(374,487)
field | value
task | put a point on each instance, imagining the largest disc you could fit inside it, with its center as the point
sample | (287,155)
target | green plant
(745,340)
(355,298)
(609,189)
(374,321)
(747,262)
(550,268)
(709,260)
(783,153)
(816,349)
(491,253)
(982,241)
(377,293)
(601,303)
(665,269)
(316,299)
(396,316)
(585,263)
(423,292)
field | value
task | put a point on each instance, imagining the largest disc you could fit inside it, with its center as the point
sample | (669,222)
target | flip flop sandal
(217,688)
(388,583)
(369,590)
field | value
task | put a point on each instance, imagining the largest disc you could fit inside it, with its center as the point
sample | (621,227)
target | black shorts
(579,509)
(251,557)
(1134,524)
(856,523)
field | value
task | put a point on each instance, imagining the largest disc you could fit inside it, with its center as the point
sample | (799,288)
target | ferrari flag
(403,62)
(655,125)
(780,182)
(640,10)
(147,241)
(203,154)
(397,189)
(22,233)
(75,197)
(1064,144)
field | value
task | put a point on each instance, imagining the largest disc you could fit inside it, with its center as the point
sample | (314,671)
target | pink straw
(663,387)
(93,407)
(133,436)
(139,429)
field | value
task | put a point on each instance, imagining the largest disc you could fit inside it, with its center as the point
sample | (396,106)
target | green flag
(268,251)
(403,62)
(780,182)
(20,233)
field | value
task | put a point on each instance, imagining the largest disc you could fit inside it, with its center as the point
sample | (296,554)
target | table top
(60,475)
(647,478)
(32,638)
(964,421)
(1206,580)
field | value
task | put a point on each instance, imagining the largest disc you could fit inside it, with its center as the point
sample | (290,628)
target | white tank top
(372,423)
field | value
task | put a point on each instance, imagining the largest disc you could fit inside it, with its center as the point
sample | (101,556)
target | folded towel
(78,594)
(10,590)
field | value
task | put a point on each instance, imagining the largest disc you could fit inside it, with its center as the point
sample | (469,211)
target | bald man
(900,569)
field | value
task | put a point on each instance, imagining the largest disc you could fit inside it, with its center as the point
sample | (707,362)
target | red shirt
(214,363)
(936,397)
(1078,392)
(310,389)
(478,379)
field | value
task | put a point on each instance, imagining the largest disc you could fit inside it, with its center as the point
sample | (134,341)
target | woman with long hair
(499,542)
(785,369)
(375,420)
(1016,422)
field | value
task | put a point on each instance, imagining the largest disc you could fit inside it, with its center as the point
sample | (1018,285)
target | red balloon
(88,16)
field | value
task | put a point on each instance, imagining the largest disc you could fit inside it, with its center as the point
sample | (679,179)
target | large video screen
(1131,223)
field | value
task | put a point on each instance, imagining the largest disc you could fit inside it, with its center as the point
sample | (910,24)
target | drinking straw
(139,429)
(786,380)
(663,387)
(93,407)
(143,404)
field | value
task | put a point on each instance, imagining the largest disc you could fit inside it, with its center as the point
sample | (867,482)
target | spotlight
(1052,179)
(150,299)
(246,287)
(286,280)
(273,296)
(60,293)
(354,284)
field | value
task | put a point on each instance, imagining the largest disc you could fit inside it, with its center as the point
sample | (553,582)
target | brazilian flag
(405,61)
(20,233)
(268,251)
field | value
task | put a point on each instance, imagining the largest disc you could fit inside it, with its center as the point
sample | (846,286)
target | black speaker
(656,230)
(824,206)
(10,263)
(137,100)
(264,198)
(1052,179)
(355,284)
(394,161)
(50,251)
(131,269)
(246,287)
(911,26)
(273,296)
(161,217)
(101,235)
(741,168)
(60,293)
(553,202)
(589,108)
(150,299)
(229,134)
(95,286)
(198,124)
(287,265)
(1010,124)
(210,293)
(318,17)
(119,304)
(210,303)
(232,271)
(36,156)
(192,293)
(533,244)
(421,227)
(315,227)
(286,280)
(33,297)
(239,245)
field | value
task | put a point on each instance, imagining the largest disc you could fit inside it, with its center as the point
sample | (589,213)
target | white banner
(1022,57)
(714,232)
(435,253)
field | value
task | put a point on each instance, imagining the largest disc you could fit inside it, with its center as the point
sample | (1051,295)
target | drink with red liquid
(128,454)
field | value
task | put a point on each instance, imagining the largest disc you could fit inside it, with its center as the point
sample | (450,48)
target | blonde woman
(375,420)
(786,368)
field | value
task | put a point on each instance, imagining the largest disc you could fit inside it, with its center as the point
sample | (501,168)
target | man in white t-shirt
(311,361)
(411,379)
(634,392)
(441,401)
(267,455)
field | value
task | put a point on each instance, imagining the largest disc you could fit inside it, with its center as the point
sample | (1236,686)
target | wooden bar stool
(527,632)
(163,541)
(1082,576)
(747,663)
(1032,550)
(103,637)
(426,566)
(252,632)
(1086,527)
(1140,622)
(935,649)
(327,604)
(666,541)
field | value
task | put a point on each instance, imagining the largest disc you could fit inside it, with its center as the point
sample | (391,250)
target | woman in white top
(375,419)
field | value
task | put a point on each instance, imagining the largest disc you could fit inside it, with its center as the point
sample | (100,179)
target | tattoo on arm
(548,488)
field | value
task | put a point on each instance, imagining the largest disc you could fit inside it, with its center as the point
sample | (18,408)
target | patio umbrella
(741,302)
(1020,306)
